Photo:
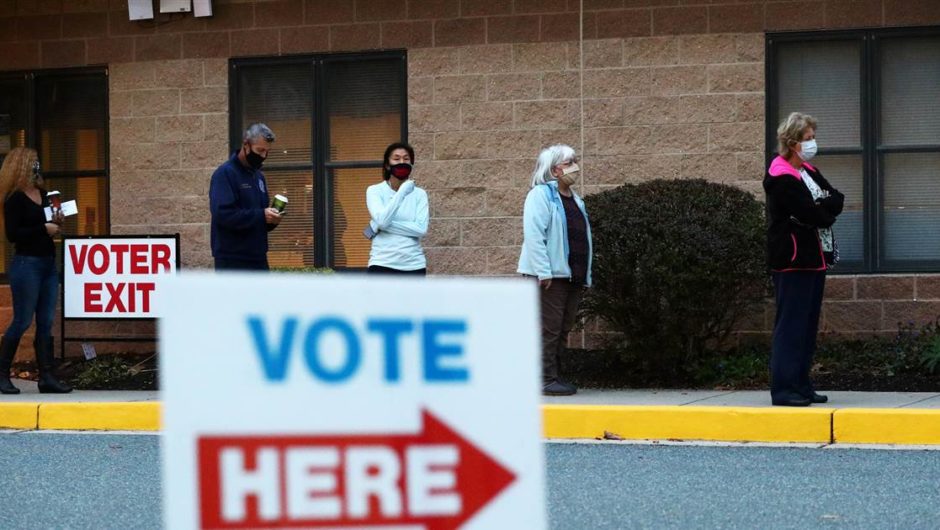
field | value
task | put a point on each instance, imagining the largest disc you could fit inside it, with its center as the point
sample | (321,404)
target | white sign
(69,208)
(117,277)
(299,401)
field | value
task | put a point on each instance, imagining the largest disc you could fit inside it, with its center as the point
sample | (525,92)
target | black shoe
(6,386)
(791,402)
(48,383)
(557,388)
(819,398)
(7,351)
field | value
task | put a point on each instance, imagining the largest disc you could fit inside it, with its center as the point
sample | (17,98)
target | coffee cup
(279,203)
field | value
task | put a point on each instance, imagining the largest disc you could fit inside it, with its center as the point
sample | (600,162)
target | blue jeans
(34,282)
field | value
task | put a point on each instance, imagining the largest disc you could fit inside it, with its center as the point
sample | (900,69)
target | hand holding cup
(272,216)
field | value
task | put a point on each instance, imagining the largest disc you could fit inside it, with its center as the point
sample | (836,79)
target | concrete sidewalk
(744,416)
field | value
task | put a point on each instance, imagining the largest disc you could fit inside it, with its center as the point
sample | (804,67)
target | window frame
(873,236)
(29,80)
(323,169)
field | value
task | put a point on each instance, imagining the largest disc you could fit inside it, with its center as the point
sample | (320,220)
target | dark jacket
(238,196)
(793,237)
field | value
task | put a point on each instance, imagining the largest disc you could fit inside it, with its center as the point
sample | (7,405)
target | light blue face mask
(808,150)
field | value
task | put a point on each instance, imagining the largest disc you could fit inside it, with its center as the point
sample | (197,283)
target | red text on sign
(125,259)
(435,478)
(120,297)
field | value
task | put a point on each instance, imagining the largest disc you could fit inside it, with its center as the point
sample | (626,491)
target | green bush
(917,348)
(676,264)
(116,372)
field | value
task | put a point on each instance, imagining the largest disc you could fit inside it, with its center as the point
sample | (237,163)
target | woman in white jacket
(399,216)
(556,249)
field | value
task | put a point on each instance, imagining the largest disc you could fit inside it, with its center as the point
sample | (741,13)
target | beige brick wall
(684,106)
(169,131)
(670,89)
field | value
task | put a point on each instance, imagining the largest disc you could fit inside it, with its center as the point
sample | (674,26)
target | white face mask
(808,150)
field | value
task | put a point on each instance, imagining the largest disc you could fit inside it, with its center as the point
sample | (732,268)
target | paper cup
(55,200)
(279,203)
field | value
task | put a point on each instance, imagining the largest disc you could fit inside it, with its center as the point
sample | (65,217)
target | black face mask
(254,159)
(400,171)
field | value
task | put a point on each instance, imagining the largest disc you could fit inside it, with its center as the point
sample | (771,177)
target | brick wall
(859,306)
(169,131)
(668,89)
(653,107)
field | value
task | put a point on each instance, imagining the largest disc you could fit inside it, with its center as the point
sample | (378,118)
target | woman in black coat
(802,206)
(34,280)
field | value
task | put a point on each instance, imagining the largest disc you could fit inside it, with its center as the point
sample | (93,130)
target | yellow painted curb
(886,426)
(730,424)
(100,416)
(18,415)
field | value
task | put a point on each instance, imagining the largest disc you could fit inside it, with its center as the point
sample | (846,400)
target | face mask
(36,177)
(254,159)
(808,150)
(400,171)
(568,174)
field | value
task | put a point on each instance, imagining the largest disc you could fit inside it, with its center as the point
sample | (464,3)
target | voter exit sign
(117,277)
(300,401)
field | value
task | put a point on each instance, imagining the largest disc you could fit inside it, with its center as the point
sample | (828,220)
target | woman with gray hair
(802,207)
(556,249)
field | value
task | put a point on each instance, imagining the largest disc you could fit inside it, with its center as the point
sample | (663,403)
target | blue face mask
(808,150)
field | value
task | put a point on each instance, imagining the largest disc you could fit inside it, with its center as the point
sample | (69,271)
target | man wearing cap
(238,201)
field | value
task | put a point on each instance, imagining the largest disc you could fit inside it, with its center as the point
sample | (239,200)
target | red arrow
(479,478)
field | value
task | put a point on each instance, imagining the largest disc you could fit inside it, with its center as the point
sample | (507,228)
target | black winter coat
(793,242)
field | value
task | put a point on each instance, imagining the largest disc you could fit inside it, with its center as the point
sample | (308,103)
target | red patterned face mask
(400,171)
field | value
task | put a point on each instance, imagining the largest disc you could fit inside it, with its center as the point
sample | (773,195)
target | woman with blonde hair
(802,207)
(34,280)
(556,249)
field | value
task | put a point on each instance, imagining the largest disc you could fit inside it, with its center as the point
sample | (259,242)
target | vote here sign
(117,277)
(298,401)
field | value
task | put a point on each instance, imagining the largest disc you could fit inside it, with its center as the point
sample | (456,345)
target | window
(63,114)
(875,95)
(333,116)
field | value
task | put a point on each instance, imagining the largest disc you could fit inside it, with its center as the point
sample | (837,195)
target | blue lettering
(274,362)
(435,351)
(312,353)
(390,331)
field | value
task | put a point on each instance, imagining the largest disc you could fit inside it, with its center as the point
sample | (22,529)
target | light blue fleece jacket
(545,234)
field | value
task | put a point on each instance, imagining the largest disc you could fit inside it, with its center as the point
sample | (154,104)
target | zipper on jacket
(793,239)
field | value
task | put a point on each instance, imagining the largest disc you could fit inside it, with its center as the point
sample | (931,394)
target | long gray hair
(550,157)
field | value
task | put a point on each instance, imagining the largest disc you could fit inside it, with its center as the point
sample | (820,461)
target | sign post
(343,402)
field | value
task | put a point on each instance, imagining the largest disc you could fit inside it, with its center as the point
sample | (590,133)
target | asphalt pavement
(72,480)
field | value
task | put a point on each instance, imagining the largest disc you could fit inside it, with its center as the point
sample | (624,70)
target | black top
(577,240)
(26,225)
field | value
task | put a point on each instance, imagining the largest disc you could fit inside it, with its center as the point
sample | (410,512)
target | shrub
(917,348)
(676,264)
(116,372)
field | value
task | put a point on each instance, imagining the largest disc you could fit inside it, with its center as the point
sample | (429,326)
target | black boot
(7,352)
(48,384)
